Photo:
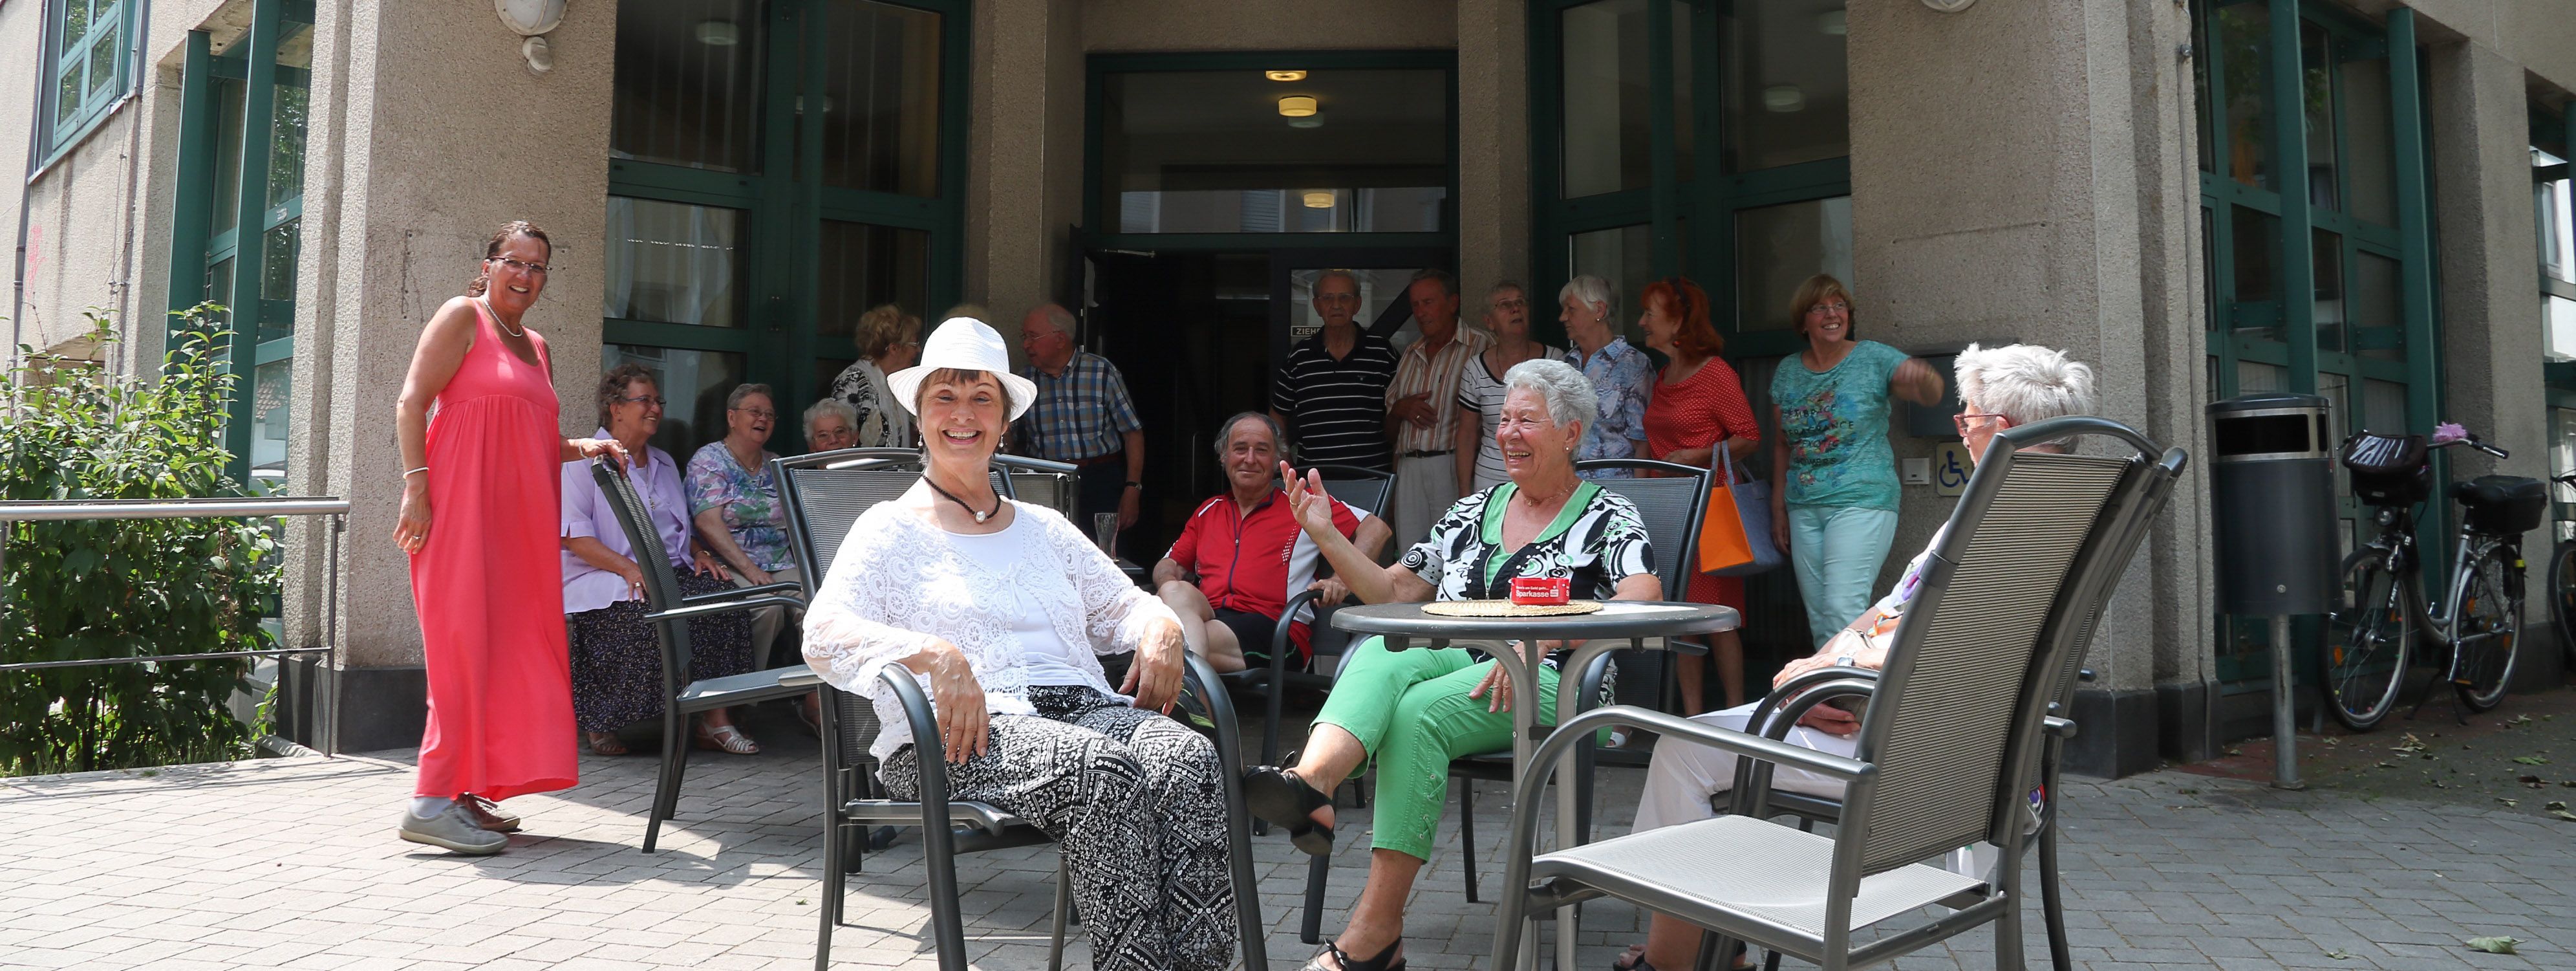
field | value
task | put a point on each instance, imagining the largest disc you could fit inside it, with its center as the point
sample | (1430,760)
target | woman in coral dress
(1698,407)
(492,638)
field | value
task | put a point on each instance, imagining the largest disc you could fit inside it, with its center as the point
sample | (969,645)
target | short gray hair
(2025,382)
(741,391)
(1593,291)
(1568,393)
(1225,432)
(1056,316)
(831,406)
(1347,276)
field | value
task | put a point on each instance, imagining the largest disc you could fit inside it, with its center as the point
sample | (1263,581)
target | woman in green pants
(1413,711)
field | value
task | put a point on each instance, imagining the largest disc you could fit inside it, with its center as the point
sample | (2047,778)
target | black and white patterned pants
(1137,805)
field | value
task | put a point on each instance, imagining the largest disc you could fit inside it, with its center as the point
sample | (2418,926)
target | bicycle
(2562,585)
(2370,635)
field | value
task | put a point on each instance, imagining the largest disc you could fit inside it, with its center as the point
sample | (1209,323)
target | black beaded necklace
(980,515)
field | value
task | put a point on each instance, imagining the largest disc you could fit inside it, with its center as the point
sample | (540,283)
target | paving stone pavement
(292,863)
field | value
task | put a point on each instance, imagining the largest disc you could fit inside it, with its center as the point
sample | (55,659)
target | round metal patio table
(1643,624)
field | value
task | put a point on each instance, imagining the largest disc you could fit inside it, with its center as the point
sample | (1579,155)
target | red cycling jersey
(1254,562)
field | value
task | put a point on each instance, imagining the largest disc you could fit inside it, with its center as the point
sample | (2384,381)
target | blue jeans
(1837,551)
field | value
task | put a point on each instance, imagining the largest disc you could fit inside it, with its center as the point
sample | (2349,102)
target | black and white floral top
(1597,540)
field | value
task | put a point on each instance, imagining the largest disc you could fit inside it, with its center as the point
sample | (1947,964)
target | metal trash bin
(2272,503)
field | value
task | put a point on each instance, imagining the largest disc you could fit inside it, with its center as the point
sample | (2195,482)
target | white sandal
(726,738)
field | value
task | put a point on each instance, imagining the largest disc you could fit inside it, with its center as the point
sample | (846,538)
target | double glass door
(777,168)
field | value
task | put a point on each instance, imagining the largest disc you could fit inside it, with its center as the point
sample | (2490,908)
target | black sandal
(1282,799)
(1342,959)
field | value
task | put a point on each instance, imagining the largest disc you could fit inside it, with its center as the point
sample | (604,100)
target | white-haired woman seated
(997,606)
(1413,711)
(1999,388)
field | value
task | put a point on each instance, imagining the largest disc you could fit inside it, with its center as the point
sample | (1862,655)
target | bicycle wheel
(2367,639)
(2489,629)
(2562,597)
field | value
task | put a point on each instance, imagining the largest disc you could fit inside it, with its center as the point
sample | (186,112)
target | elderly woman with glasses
(1621,374)
(1413,711)
(616,660)
(735,504)
(2000,388)
(888,340)
(1833,475)
(999,608)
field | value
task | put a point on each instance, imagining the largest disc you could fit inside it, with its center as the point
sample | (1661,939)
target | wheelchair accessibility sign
(1949,468)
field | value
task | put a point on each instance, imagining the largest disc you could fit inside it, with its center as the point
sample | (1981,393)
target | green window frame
(229,179)
(2300,331)
(1698,190)
(88,59)
(784,204)
(2553,131)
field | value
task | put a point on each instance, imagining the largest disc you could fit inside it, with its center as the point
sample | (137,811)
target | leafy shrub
(125,588)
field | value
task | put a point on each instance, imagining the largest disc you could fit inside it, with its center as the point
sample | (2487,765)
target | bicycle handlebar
(2473,441)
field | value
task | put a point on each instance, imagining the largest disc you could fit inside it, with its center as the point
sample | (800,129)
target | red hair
(1695,338)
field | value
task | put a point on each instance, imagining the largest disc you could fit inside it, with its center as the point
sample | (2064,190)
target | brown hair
(1814,292)
(884,326)
(492,248)
(612,386)
(1695,338)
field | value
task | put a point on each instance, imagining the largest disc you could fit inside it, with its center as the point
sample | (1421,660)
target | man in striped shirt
(1422,406)
(1331,396)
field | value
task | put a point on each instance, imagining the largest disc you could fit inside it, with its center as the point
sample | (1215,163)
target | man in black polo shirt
(1331,396)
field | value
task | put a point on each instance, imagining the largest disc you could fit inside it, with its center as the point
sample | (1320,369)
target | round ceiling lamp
(1297,106)
(1784,99)
(718,33)
(1319,200)
(1284,75)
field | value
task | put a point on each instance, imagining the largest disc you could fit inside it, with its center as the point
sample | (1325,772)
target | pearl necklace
(496,318)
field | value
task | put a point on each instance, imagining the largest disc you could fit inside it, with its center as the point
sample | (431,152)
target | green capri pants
(1410,711)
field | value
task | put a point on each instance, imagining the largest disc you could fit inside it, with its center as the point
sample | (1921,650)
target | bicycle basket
(2388,470)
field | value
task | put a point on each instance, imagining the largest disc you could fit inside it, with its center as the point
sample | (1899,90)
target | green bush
(125,588)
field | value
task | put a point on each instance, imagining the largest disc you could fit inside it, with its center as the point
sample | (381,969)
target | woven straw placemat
(1506,608)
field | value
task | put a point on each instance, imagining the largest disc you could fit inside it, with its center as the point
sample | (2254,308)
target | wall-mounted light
(531,20)
(1832,22)
(718,33)
(1297,106)
(1319,200)
(1784,99)
(1284,75)
(1948,6)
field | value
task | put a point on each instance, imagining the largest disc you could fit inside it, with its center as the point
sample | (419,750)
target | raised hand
(1307,501)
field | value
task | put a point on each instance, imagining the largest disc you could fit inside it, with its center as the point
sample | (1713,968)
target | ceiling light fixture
(1319,200)
(718,33)
(1284,75)
(1297,106)
(1832,22)
(1784,99)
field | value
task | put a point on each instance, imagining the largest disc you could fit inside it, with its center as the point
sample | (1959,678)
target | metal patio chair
(1948,750)
(671,614)
(824,494)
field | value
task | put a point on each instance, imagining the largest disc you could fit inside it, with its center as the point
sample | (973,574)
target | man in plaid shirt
(1083,417)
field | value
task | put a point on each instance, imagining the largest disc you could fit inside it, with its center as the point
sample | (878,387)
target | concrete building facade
(729,182)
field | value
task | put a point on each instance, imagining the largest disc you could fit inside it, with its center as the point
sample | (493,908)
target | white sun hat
(966,344)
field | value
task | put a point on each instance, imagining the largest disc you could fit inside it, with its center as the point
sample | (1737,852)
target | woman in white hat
(995,606)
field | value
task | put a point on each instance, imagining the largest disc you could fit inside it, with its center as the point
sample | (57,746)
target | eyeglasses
(1829,306)
(1514,303)
(656,401)
(1960,421)
(534,269)
(763,414)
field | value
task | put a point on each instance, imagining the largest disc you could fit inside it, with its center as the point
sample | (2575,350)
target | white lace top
(899,583)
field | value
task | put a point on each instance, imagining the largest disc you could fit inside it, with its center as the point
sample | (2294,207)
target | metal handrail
(25,510)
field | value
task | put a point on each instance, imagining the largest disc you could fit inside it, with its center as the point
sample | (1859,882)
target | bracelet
(415,472)
(1132,484)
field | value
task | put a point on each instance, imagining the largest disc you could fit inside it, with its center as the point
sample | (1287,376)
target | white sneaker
(452,830)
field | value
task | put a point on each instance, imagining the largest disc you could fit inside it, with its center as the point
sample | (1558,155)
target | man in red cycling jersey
(1249,557)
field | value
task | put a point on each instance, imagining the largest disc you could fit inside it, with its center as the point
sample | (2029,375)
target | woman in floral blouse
(1622,375)
(1413,711)
(734,504)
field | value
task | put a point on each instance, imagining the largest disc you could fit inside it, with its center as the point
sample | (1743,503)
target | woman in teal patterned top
(1833,476)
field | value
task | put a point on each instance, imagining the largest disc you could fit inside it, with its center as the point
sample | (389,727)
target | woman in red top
(492,637)
(1698,404)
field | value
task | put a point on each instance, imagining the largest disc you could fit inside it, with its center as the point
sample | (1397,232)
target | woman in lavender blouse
(616,661)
